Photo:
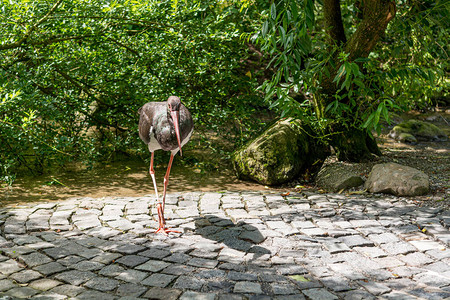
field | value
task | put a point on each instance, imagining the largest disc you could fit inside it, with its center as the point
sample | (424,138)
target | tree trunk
(351,143)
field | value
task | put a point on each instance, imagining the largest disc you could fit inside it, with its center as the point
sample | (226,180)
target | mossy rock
(415,130)
(338,176)
(279,154)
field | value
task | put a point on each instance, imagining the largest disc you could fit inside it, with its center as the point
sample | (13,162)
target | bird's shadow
(241,236)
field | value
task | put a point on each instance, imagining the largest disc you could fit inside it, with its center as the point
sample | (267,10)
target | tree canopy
(74,73)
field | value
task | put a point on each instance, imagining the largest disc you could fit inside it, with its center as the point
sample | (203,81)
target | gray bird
(168,126)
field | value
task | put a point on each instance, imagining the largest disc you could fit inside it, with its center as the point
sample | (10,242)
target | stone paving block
(416,259)
(6,284)
(75,277)
(25,276)
(130,290)
(50,268)
(314,231)
(355,241)
(132,276)
(319,294)
(34,259)
(153,266)
(44,284)
(388,262)
(247,287)
(425,245)
(284,288)
(16,251)
(432,279)
(336,284)
(201,262)
(375,288)
(126,248)
(178,269)
(69,260)
(112,270)
(335,247)
(347,271)
(87,266)
(396,248)
(22,292)
(162,294)
(102,284)
(188,282)
(9,266)
(371,252)
(132,260)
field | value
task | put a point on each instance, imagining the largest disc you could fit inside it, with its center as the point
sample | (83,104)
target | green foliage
(74,73)
(408,68)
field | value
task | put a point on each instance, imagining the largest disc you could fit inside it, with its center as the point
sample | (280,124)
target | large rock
(338,176)
(415,130)
(392,178)
(280,154)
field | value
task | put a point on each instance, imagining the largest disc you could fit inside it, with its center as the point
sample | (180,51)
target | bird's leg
(162,222)
(158,202)
(152,174)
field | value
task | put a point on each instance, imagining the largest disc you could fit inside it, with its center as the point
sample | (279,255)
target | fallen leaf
(300,278)
(285,194)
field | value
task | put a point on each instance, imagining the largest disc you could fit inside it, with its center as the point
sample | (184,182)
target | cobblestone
(249,245)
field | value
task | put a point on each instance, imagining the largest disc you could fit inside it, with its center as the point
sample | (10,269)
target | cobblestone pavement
(246,245)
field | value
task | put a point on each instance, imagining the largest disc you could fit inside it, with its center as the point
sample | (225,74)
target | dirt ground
(131,179)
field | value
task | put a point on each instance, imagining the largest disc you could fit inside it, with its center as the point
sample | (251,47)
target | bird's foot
(166,231)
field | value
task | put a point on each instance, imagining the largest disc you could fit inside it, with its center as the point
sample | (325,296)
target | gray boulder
(280,154)
(399,180)
(336,177)
(415,130)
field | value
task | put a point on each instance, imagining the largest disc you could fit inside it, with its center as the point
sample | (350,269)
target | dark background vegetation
(74,73)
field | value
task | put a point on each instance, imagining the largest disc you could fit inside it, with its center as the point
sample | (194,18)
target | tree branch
(333,21)
(31,29)
(376,16)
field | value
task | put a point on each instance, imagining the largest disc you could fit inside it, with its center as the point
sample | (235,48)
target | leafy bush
(73,75)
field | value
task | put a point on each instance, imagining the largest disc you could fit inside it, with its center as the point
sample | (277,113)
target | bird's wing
(146,113)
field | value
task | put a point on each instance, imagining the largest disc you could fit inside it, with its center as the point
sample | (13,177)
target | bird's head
(173,107)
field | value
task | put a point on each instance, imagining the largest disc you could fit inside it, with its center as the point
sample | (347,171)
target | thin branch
(31,29)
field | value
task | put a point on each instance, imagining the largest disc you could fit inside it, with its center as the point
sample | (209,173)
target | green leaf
(299,278)
(273,11)
(265,28)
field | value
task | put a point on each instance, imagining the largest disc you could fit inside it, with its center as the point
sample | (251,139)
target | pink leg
(162,222)
(152,174)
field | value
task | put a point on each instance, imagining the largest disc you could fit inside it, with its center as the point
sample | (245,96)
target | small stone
(130,290)
(374,288)
(22,292)
(50,268)
(355,241)
(201,262)
(158,280)
(25,276)
(319,294)
(190,295)
(44,284)
(132,276)
(75,277)
(9,266)
(6,284)
(187,282)
(247,287)
(162,294)
(102,284)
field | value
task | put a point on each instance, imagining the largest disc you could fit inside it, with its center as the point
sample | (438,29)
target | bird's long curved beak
(175,117)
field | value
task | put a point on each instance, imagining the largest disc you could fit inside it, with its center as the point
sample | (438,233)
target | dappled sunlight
(121,179)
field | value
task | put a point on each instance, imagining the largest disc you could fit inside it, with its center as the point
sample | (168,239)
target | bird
(166,125)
